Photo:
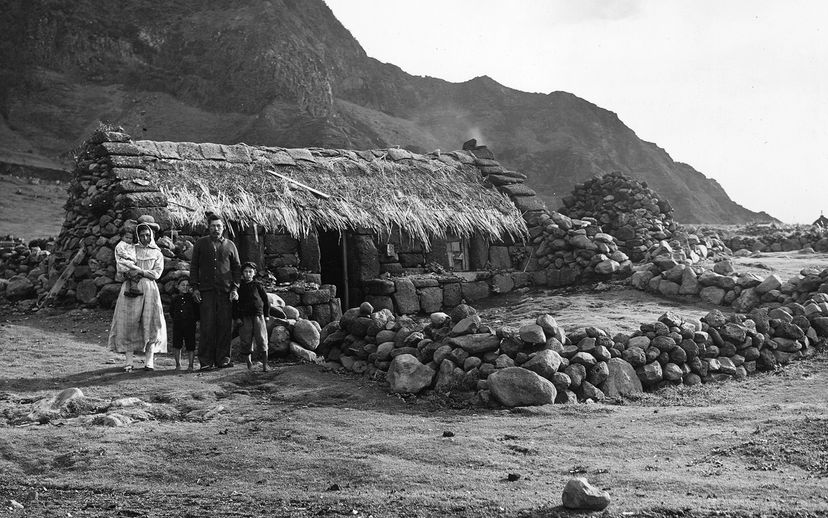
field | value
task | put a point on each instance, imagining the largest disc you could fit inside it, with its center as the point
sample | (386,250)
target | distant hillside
(287,73)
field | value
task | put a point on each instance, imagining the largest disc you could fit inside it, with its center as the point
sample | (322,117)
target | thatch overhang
(423,195)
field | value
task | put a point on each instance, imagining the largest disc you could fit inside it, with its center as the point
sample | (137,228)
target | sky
(738,89)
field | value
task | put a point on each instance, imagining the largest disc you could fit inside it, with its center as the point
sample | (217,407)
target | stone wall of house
(427,293)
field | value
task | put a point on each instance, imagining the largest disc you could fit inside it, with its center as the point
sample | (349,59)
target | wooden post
(347,291)
(64,276)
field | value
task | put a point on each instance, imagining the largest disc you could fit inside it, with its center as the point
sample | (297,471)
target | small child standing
(253,307)
(126,266)
(184,312)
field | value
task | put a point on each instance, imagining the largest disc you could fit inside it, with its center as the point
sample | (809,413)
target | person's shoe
(225,365)
(149,369)
(205,368)
(128,368)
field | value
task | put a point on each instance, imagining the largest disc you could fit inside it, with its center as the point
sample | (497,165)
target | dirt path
(302,441)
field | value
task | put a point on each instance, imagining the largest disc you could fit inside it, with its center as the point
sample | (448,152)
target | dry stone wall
(773,239)
(723,285)
(540,363)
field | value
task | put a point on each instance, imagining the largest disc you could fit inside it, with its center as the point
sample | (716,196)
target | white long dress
(138,322)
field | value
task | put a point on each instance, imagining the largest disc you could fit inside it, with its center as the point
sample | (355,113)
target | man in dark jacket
(214,275)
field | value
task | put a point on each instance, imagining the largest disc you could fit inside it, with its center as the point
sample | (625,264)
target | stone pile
(531,365)
(669,276)
(540,363)
(625,208)
(574,250)
(292,335)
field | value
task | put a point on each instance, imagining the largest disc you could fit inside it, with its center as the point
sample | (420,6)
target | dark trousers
(216,325)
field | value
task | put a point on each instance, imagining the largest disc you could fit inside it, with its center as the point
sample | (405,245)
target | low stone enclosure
(540,363)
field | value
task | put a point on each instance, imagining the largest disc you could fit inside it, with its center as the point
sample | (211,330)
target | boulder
(577,374)
(407,375)
(672,372)
(20,287)
(590,391)
(650,374)
(279,342)
(466,325)
(607,267)
(585,359)
(302,353)
(735,333)
(746,301)
(641,342)
(476,344)
(108,295)
(712,295)
(635,356)
(516,386)
(306,334)
(532,334)
(621,379)
(724,267)
(581,495)
(545,363)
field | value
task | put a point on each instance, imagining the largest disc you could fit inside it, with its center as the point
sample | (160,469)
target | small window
(458,255)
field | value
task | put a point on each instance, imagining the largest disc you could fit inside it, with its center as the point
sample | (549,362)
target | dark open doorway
(332,261)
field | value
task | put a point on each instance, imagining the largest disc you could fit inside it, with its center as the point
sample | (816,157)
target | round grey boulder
(516,386)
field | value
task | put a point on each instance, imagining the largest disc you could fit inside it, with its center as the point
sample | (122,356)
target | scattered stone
(407,375)
(580,494)
(516,386)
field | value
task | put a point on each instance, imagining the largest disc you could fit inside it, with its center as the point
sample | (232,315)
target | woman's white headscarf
(152,236)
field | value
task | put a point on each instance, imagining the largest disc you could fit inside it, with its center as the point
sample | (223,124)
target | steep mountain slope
(285,72)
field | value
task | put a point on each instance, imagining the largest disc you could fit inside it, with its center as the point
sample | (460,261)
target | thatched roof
(424,195)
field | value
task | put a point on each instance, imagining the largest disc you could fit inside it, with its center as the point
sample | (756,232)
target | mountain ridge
(287,73)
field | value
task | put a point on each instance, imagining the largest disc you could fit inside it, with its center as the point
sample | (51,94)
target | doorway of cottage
(333,261)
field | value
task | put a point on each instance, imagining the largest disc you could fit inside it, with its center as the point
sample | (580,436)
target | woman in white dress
(138,323)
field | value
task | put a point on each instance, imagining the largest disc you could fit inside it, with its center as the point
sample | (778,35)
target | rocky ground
(304,441)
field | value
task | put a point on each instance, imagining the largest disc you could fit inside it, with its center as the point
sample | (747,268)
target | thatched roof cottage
(367,222)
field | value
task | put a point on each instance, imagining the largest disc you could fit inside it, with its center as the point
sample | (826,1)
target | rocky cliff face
(286,73)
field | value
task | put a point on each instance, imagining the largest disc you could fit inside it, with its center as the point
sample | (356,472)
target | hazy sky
(736,88)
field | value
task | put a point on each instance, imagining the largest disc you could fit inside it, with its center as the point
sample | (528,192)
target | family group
(220,291)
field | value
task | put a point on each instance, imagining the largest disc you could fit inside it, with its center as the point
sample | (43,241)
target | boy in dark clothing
(253,307)
(184,312)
